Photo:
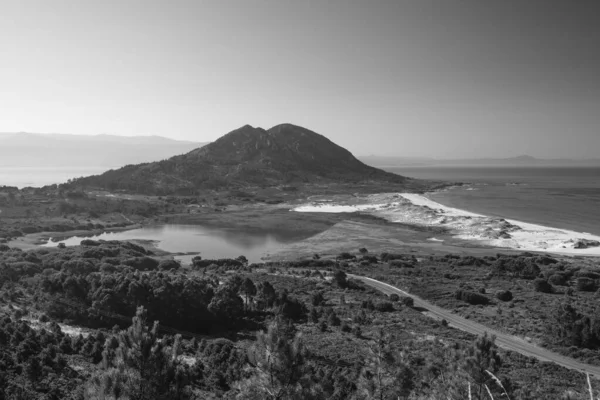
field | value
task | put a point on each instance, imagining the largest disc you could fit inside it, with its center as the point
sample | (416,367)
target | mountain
(59,150)
(248,156)
(519,161)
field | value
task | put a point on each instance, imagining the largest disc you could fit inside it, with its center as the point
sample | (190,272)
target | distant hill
(519,161)
(248,156)
(59,150)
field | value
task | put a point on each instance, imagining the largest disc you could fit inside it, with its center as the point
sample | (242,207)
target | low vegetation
(303,329)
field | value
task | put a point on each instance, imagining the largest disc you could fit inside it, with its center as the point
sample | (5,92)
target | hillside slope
(248,156)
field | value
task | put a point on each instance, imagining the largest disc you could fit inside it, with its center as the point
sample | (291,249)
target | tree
(317,298)
(141,367)
(279,367)
(249,290)
(266,294)
(226,304)
(340,278)
(480,357)
(385,374)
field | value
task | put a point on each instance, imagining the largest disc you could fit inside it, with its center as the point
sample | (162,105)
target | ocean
(37,177)
(565,198)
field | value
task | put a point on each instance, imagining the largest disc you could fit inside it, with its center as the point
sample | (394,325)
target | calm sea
(567,198)
(38,177)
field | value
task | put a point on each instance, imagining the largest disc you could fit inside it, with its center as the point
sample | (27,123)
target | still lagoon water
(209,243)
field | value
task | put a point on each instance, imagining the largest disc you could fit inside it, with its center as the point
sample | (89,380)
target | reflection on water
(209,242)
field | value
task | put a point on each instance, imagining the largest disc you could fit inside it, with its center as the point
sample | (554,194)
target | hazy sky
(444,78)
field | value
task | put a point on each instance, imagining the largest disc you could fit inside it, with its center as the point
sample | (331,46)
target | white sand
(418,209)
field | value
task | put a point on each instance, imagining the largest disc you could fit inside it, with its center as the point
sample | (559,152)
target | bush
(384,306)
(323,326)
(471,297)
(587,274)
(504,295)
(401,264)
(394,297)
(369,259)
(586,285)
(542,286)
(558,279)
(408,301)
(142,263)
(317,299)
(166,265)
(346,256)
(345,327)
(334,320)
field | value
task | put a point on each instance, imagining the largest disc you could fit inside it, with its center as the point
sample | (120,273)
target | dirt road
(503,340)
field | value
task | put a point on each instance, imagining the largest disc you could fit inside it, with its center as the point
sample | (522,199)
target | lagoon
(209,243)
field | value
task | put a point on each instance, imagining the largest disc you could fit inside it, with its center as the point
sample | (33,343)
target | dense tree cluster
(33,362)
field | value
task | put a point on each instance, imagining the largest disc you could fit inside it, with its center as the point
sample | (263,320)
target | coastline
(39,239)
(478,229)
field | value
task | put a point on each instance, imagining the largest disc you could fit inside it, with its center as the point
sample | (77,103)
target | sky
(445,78)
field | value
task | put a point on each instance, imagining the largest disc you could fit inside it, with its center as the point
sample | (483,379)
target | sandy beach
(418,209)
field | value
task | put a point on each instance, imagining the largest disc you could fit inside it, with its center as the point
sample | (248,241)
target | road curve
(503,340)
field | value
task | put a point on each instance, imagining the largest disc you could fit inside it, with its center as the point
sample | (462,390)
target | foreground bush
(542,286)
(471,297)
(504,295)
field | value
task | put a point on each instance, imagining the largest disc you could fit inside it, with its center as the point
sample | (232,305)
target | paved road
(503,340)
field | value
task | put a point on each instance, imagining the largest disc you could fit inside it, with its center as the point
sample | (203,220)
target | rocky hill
(248,156)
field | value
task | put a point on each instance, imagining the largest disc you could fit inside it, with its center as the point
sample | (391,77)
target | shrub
(504,295)
(323,326)
(471,297)
(345,327)
(346,256)
(408,301)
(166,265)
(394,297)
(542,286)
(587,274)
(401,264)
(384,306)
(558,279)
(369,259)
(142,263)
(368,304)
(334,320)
(586,285)
(317,299)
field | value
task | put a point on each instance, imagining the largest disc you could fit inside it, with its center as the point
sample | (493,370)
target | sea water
(567,198)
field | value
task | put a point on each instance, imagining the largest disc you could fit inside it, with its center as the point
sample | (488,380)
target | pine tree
(138,365)
(278,365)
(480,357)
(385,374)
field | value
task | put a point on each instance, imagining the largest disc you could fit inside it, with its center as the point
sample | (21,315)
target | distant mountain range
(283,155)
(520,161)
(59,150)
